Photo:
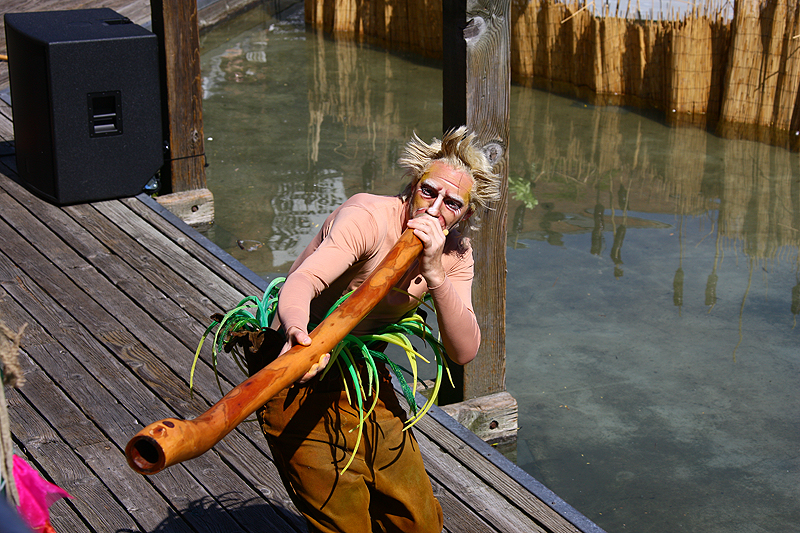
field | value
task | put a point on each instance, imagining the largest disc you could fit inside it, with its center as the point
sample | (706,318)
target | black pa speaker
(86,100)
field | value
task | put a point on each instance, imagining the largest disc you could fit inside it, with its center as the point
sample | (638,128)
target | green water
(652,291)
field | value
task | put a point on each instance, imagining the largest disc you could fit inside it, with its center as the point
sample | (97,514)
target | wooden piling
(477,87)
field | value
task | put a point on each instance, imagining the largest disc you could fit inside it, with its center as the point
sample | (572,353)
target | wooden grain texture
(105,368)
(195,207)
(193,247)
(495,478)
(478,76)
(101,456)
(457,516)
(493,418)
(162,345)
(125,266)
(175,24)
(114,297)
(6,121)
(105,332)
(161,341)
(484,500)
(51,454)
(144,502)
(187,267)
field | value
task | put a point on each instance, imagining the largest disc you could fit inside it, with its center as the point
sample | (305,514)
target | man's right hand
(295,336)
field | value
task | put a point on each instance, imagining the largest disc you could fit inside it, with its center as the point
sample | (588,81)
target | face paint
(442,193)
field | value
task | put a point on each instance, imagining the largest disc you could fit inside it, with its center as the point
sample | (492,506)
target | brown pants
(311,430)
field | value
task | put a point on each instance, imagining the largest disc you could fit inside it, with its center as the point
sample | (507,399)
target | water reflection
(653,272)
(297,124)
(588,170)
(300,208)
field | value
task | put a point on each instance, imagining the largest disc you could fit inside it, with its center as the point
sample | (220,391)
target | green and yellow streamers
(252,314)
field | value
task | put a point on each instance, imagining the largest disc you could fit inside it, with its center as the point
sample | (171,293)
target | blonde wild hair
(458,149)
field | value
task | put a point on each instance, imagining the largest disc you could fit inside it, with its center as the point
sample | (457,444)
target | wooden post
(175,24)
(477,85)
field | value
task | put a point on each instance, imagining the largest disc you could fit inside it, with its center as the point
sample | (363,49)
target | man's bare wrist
(438,285)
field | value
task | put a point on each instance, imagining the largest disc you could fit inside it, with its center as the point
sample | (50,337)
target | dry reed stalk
(388,18)
(417,26)
(772,22)
(587,6)
(720,45)
(365,19)
(597,82)
(690,67)
(521,43)
(559,44)
(613,50)
(653,83)
(386,14)
(312,13)
(741,83)
(329,15)
(429,25)
(391,18)
(399,25)
(377,18)
(581,40)
(789,71)
(548,26)
(343,17)
(634,61)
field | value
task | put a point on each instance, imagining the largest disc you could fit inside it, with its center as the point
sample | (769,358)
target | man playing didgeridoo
(310,427)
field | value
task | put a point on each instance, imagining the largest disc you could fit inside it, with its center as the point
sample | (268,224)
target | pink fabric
(35,495)
(351,243)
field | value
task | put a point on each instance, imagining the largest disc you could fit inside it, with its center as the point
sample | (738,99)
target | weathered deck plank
(109,336)
(116,297)
(483,501)
(500,481)
(6,125)
(139,498)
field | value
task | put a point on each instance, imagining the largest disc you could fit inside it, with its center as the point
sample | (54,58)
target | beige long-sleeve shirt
(350,245)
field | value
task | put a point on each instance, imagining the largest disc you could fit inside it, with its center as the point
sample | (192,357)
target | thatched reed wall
(574,169)
(740,75)
(414,25)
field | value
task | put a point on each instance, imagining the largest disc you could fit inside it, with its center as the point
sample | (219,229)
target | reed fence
(572,168)
(738,74)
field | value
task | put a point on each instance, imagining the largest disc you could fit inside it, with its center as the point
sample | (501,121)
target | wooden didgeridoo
(171,441)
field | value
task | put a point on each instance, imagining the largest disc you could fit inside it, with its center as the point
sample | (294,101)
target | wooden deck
(115,296)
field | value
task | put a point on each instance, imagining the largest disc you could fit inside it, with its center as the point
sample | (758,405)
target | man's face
(442,193)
